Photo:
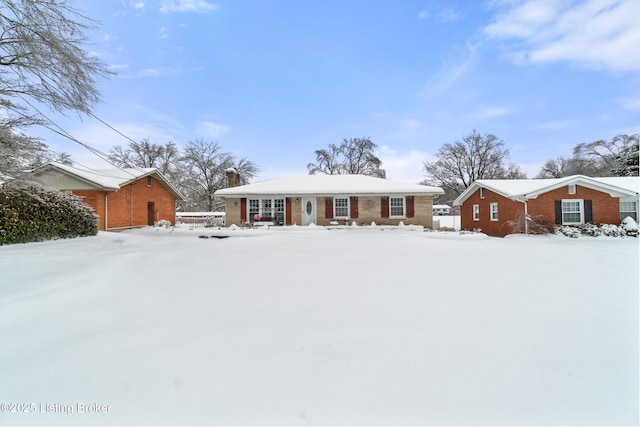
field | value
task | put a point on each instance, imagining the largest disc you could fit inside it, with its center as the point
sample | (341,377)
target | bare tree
(203,172)
(42,60)
(617,157)
(475,157)
(42,57)
(614,155)
(355,156)
(145,154)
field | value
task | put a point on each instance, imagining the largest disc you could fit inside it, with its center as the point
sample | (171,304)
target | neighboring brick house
(494,205)
(122,198)
(327,199)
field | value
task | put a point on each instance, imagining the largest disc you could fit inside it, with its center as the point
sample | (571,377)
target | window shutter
(243,209)
(410,207)
(384,207)
(353,207)
(287,220)
(328,207)
(558,211)
(588,211)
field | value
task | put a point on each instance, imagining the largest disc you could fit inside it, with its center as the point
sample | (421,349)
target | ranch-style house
(328,200)
(122,198)
(494,205)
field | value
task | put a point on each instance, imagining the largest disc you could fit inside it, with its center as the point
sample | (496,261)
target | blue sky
(275,80)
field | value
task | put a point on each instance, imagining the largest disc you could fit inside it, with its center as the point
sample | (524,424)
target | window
(572,189)
(396,207)
(254,209)
(341,207)
(494,211)
(572,212)
(278,211)
(476,212)
(481,193)
(149,181)
(267,210)
(628,208)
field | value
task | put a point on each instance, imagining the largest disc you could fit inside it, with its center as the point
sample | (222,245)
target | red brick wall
(128,206)
(508,210)
(606,209)
(95,199)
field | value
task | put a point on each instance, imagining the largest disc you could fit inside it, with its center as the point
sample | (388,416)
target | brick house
(329,199)
(122,198)
(493,205)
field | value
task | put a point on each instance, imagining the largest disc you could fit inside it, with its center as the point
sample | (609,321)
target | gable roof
(326,185)
(108,179)
(525,189)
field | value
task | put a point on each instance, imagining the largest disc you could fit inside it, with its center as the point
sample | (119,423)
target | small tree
(475,157)
(355,156)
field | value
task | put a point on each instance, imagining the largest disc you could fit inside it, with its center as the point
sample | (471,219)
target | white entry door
(308,210)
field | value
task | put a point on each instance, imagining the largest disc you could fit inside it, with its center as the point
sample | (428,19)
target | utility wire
(60,131)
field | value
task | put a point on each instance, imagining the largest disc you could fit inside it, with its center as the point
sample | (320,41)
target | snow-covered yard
(305,325)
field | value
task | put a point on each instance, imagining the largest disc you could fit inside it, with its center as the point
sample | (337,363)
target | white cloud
(447,15)
(489,112)
(197,6)
(405,166)
(451,71)
(600,34)
(444,16)
(411,123)
(138,5)
(557,125)
(160,71)
(212,130)
(631,102)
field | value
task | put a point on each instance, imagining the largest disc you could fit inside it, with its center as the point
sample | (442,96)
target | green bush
(31,213)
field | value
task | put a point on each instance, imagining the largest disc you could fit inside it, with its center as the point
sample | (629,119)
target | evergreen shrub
(30,212)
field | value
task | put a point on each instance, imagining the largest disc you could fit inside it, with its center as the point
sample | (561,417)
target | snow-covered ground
(307,325)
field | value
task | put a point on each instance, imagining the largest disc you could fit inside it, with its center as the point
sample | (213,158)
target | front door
(308,210)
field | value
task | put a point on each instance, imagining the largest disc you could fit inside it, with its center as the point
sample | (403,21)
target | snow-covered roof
(524,189)
(110,179)
(441,207)
(324,185)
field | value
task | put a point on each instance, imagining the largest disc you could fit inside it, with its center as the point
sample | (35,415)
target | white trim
(581,207)
(404,207)
(348,207)
(476,212)
(491,211)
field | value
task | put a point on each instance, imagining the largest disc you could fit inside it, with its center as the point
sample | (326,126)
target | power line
(60,131)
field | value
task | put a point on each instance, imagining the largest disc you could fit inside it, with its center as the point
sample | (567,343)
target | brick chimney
(233,177)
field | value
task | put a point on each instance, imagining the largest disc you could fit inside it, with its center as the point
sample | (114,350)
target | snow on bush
(612,230)
(569,231)
(163,223)
(31,213)
(630,226)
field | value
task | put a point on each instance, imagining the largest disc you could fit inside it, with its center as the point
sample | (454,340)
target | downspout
(106,210)
(526,216)
(131,205)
